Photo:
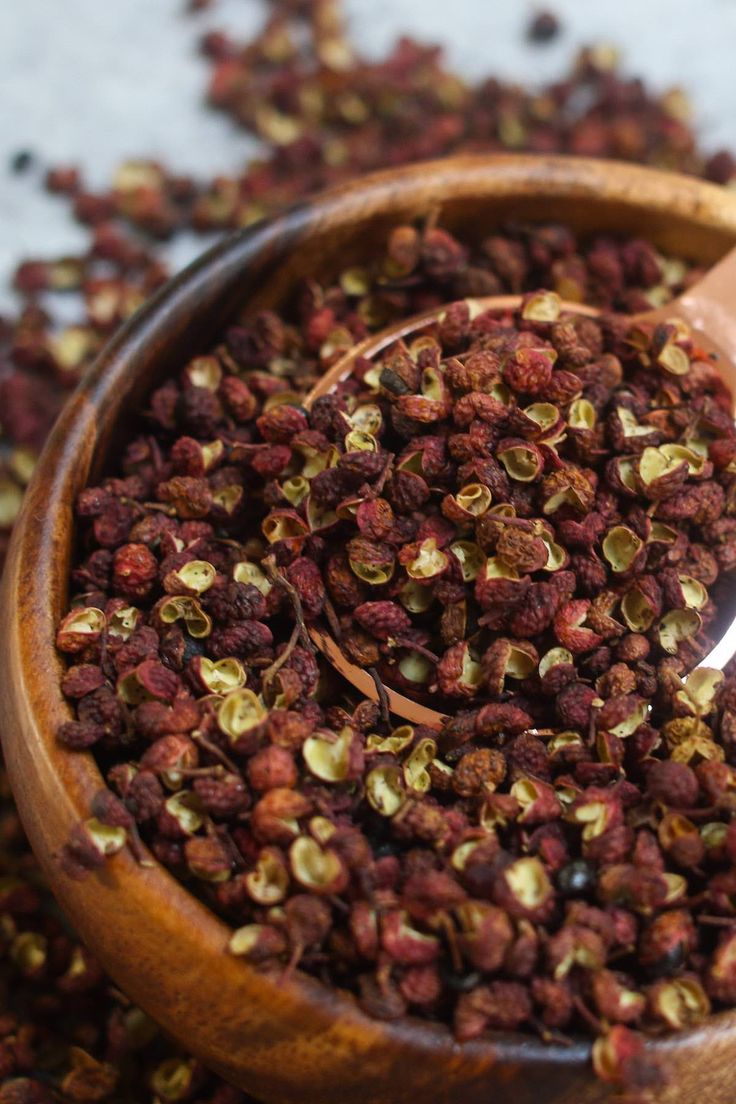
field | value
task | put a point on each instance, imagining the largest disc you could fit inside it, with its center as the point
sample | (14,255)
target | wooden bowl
(296,1043)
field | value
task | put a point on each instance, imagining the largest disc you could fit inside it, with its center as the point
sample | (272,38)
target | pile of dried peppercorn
(285,93)
(543,496)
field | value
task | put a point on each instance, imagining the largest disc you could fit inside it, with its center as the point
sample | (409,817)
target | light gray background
(95,81)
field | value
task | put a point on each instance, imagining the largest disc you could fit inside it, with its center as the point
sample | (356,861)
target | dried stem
(402,642)
(136,847)
(279,579)
(456,957)
(587,1015)
(215,771)
(300,629)
(332,620)
(382,696)
(549,1034)
(279,662)
(214,750)
(387,469)
(159,507)
(295,957)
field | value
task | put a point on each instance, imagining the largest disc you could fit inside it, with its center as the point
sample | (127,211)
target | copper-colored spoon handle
(362,680)
(710,305)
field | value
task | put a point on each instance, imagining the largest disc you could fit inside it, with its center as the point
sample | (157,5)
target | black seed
(576,879)
(192,649)
(21,161)
(459,983)
(543,28)
(393,382)
(670,962)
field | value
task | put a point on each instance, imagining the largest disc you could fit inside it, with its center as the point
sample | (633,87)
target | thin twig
(215,771)
(382,696)
(213,749)
(221,833)
(300,629)
(135,846)
(412,646)
(587,1015)
(550,1035)
(280,660)
(159,507)
(279,579)
(448,927)
(332,619)
(387,469)
(294,959)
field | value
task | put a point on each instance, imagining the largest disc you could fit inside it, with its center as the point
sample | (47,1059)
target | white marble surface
(94,81)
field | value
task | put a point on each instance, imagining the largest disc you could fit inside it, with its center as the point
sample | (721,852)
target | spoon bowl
(296,1042)
(704,309)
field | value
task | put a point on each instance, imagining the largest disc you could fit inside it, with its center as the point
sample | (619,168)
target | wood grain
(296,1043)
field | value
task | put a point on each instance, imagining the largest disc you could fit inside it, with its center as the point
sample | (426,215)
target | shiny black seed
(670,962)
(576,879)
(459,983)
(21,161)
(543,28)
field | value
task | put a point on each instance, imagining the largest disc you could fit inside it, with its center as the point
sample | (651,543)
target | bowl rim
(39,553)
